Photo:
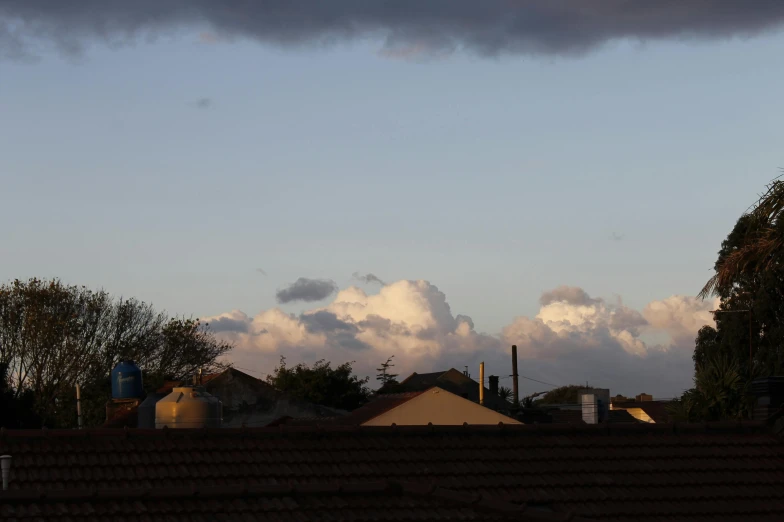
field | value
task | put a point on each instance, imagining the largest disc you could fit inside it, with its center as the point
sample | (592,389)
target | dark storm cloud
(368,278)
(323,322)
(308,290)
(486,27)
(226,324)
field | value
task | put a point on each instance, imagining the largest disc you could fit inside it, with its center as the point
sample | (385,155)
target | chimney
(590,408)
(515,391)
(769,394)
(595,404)
(481,383)
(5,466)
(493,385)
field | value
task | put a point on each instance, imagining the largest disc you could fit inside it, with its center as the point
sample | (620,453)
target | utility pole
(751,359)
(481,383)
(79,406)
(515,391)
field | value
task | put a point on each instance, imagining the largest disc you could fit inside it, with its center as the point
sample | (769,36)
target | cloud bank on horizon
(486,28)
(574,338)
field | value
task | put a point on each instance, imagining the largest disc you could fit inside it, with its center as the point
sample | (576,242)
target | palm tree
(505,393)
(762,245)
(720,392)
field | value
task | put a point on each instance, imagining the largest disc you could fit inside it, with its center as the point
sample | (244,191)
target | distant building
(458,383)
(247,401)
(432,406)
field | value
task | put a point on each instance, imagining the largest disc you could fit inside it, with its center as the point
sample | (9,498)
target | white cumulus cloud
(574,338)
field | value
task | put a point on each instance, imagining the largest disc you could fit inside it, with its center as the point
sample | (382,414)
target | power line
(540,382)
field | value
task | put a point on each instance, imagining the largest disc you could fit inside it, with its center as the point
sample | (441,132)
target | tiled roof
(609,472)
(559,416)
(318,502)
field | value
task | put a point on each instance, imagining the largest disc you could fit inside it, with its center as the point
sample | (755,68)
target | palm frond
(763,243)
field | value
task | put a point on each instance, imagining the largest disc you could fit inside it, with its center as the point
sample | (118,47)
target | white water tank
(189,407)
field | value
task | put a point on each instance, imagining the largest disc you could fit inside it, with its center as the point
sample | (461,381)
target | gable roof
(453,381)
(603,472)
(378,501)
(377,406)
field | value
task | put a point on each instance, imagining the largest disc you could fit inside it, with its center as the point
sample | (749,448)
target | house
(612,472)
(432,406)
(642,407)
(458,383)
(246,401)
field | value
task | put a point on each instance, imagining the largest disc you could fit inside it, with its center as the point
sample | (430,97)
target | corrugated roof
(609,472)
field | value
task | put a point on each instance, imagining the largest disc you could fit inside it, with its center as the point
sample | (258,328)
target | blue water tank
(127,381)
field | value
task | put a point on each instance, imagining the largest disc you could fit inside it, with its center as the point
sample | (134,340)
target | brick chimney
(769,393)
(493,385)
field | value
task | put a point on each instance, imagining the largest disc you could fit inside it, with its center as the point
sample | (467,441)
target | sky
(243,165)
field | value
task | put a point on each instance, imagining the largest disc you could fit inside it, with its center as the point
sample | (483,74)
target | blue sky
(494,179)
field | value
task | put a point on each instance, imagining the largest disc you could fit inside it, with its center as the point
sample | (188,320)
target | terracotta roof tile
(380,501)
(619,472)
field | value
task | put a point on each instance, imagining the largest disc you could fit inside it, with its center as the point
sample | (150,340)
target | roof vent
(189,407)
(5,467)
(769,392)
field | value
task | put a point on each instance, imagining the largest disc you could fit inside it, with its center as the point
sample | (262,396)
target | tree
(757,247)
(749,280)
(721,392)
(528,401)
(505,393)
(16,410)
(563,395)
(321,384)
(388,380)
(53,336)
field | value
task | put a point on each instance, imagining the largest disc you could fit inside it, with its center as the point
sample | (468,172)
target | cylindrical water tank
(189,407)
(146,411)
(127,381)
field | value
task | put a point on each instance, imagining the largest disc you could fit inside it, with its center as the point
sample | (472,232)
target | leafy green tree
(321,384)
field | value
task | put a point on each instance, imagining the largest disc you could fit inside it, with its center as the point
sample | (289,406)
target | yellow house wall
(442,408)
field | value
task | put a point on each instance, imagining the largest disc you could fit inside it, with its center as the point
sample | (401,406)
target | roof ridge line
(538,429)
